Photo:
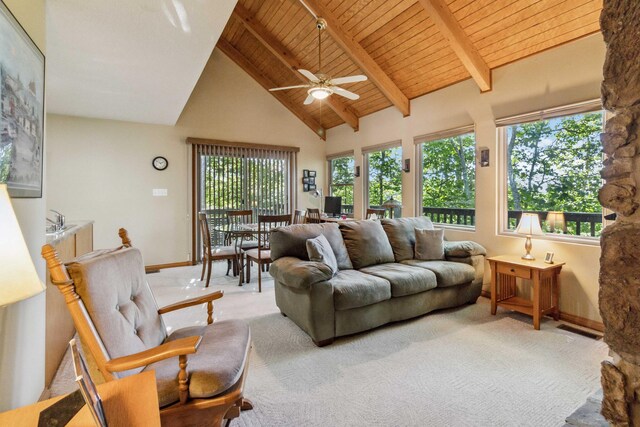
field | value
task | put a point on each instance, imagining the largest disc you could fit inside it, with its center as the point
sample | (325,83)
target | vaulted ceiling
(407,48)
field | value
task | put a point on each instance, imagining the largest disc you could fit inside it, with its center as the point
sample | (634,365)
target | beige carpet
(459,367)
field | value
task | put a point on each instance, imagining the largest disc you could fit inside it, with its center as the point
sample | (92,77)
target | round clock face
(160,163)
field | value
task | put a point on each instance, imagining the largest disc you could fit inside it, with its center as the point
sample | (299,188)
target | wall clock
(160,163)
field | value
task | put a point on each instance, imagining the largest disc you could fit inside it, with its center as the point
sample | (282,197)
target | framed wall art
(21,109)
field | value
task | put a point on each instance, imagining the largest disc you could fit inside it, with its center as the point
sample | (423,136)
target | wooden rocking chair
(122,333)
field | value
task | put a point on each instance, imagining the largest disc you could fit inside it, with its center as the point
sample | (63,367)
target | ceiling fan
(320,85)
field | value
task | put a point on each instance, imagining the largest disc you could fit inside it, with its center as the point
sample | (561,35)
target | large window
(552,168)
(448,177)
(341,170)
(383,173)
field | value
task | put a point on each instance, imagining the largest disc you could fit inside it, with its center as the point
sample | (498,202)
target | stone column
(620,260)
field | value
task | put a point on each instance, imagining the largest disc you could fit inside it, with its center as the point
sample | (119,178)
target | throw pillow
(319,250)
(429,244)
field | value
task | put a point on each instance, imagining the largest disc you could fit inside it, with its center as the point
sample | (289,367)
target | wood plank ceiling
(407,48)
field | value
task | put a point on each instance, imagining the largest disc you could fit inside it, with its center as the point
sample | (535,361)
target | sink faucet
(60,219)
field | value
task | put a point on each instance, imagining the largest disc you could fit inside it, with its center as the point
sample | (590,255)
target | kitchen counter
(55,238)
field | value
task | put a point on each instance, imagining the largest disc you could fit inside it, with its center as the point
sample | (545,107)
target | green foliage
(553,165)
(448,172)
(245,183)
(385,176)
(342,179)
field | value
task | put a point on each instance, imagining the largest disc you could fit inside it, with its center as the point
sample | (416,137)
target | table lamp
(555,219)
(19,279)
(391,204)
(529,226)
(317,194)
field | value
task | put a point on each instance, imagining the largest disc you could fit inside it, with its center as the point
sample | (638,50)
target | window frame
(502,124)
(418,142)
(342,155)
(365,166)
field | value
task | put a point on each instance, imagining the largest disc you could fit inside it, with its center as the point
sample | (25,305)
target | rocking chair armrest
(180,347)
(191,302)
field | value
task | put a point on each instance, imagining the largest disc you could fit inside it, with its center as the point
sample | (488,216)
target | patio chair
(122,333)
(377,212)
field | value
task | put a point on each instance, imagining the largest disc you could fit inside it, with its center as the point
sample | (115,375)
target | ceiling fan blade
(345,93)
(309,100)
(308,74)
(350,79)
(287,87)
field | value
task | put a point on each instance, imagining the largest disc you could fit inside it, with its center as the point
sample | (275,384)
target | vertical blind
(243,177)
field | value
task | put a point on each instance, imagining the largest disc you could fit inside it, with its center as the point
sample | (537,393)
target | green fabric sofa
(378,281)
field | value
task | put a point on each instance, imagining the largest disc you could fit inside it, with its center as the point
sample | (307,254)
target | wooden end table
(505,269)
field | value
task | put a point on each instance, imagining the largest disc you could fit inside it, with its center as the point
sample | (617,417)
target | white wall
(22,324)
(101,169)
(567,74)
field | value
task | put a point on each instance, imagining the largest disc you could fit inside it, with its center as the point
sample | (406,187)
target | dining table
(238,234)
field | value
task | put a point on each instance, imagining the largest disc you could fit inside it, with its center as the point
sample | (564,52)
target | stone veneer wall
(620,260)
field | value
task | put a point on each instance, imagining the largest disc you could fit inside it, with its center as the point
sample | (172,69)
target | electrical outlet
(160,192)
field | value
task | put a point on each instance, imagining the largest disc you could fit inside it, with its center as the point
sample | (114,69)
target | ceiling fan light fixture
(320,92)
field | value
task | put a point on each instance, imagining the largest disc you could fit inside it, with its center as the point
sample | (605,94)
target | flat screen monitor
(333,205)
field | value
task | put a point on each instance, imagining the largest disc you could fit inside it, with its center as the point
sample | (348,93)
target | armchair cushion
(463,249)
(296,273)
(213,369)
(114,290)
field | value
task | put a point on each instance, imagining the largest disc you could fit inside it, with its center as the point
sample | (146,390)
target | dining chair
(377,212)
(262,255)
(313,216)
(212,253)
(298,216)
(240,217)
(200,370)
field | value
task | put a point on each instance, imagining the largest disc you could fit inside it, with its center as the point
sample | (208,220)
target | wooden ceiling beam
(285,56)
(237,57)
(465,50)
(361,57)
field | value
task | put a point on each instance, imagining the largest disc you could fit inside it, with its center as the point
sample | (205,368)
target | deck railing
(576,223)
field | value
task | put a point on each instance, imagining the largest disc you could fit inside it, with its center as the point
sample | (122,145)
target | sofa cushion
(402,236)
(353,289)
(429,244)
(319,250)
(213,369)
(366,243)
(404,279)
(448,273)
(463,249)
(292,241)
(295,273)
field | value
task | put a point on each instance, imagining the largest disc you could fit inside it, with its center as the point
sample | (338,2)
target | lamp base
(527,247)
(528,257)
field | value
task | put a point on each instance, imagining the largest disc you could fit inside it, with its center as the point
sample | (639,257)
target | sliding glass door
(243,178)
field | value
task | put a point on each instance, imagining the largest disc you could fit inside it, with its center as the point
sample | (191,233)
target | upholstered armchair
(200,370)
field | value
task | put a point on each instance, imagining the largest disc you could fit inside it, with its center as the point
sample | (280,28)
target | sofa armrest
(463,249)
(296,273)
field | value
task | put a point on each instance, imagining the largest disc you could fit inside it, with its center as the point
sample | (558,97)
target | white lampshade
(529,225)
(555,219)
(18,277)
